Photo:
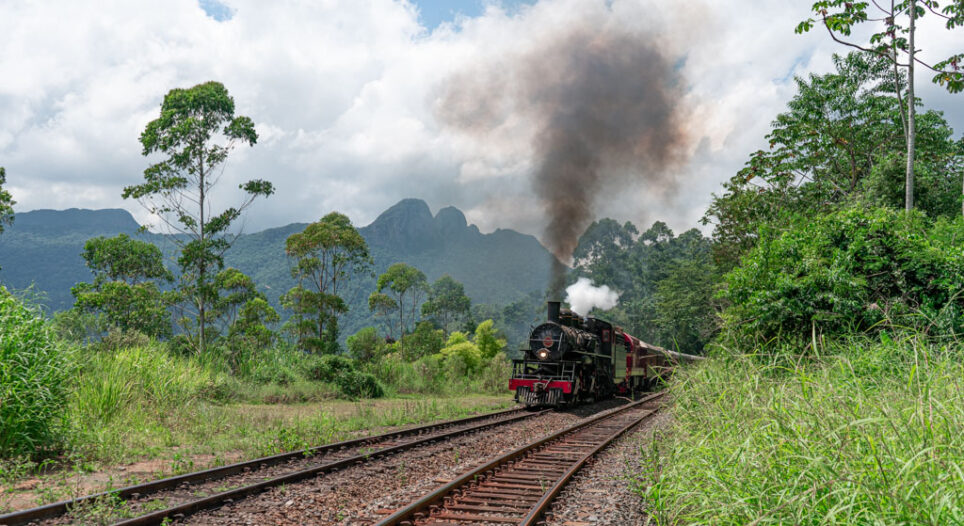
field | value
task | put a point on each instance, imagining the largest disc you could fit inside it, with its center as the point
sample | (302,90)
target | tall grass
(869,432)
(137,379)
(34,369)
(432,375)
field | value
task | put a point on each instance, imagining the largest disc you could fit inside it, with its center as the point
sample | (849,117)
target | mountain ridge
(42,249)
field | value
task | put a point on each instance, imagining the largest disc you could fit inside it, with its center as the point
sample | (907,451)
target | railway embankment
(861,431)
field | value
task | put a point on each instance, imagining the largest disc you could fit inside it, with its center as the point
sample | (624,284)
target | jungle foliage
(838,144)
(855,270)
(666,282)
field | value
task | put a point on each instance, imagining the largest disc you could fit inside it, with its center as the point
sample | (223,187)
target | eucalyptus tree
(326,254)
(196,130)
(447,302)
(896,42)
(6,202)
(401,288)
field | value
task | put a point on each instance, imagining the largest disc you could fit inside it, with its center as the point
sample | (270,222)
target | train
(573,358)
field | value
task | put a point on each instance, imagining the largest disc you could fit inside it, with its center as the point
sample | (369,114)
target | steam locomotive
(572,358)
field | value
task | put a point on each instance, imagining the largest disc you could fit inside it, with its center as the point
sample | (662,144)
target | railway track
(269,472)
(518,487)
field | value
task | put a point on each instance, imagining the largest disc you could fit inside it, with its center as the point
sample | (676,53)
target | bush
(487,339)
(34,374)
(355,384)
(365,345)
(852,270)
(326,368)
(462,357)
(425,340)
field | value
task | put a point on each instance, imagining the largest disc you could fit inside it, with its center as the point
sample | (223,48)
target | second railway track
(266,472)
(518,487)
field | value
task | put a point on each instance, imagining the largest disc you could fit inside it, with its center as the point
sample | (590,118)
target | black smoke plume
(607,111)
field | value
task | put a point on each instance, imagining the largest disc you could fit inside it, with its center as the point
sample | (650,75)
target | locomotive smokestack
(553,311)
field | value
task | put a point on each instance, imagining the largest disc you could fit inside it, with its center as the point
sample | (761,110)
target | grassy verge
(135,446)
(871,432)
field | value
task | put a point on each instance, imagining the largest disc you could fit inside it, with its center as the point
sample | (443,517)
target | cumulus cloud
(343,94)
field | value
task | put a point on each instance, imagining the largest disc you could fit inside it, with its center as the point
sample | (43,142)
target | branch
(868,50)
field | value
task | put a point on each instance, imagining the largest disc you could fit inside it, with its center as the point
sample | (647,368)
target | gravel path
(364,493)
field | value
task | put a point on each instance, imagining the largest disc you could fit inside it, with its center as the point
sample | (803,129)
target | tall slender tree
(402,286)
(327,253)
(6,202)
(447,302)
(897,43)
(196,131)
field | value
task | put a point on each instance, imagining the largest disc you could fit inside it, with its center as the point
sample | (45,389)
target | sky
(345,97)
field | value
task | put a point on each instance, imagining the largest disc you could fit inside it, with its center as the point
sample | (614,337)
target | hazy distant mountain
(43,248)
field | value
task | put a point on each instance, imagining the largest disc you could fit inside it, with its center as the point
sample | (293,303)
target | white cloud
(343,93)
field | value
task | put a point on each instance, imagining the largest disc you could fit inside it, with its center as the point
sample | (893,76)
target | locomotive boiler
(572,358)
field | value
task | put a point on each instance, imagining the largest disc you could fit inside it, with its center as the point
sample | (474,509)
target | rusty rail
(517,488)
(57,509)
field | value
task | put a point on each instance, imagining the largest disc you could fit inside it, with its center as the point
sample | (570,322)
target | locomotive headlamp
(542,354)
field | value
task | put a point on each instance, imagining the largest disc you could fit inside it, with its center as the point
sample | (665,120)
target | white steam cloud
(582,296)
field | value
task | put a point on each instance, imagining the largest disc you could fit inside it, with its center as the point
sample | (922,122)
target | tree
(121,258)
(447,302)
(365,345)
(6,202)
(406,285)
(890,44)
(839,142)
(123,289)
(424,340)
(251,329)
(384,306)
(602,252)
(488,340)
(234,289)
(327,253)
(196,131)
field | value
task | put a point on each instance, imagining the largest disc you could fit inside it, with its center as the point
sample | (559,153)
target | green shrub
(365,345)
(355,384)
(425,340)
(326,368)
(34,374)
(462,356)
(494,377)
(488,340)
(850,271)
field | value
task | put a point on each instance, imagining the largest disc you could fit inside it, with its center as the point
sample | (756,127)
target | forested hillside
(43,249)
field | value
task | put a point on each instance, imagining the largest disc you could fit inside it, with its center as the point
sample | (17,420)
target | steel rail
(57,509)
(421,508)
(214,501)
(537,511)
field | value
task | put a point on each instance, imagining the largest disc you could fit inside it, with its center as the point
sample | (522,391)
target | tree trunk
(401,322)
(202,268)
(911,111)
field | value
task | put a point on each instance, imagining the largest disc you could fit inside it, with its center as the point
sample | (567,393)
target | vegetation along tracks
(268,472)
(518,487)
